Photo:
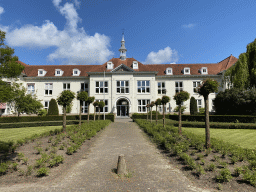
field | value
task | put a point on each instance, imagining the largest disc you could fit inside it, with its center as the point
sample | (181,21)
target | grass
(14,134)
(245,138)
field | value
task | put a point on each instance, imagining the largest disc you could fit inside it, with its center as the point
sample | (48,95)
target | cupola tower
(123,49)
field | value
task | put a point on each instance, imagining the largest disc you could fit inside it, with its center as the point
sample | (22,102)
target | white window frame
(110,65)
(161,88)
(84,107)
(178,88)
(135,65)
(186,72)
(105,107)
(65,86)
(78,72)
(102,88)
(204,72)
(142,103)
(142,87)
(168,71)
(41,72)
(195,85)
(58,72)
(199,104)
(84,87)
(46,107)
(122,86)
(31,90)
(48,87)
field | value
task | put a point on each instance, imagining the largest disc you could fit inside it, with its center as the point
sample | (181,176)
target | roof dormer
(204,71)
(186,71)
(110,65)
(58,72)
(168,71)
(135,65)
(41,72)
(76,72)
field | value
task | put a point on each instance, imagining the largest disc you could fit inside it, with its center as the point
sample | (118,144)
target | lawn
(243,137)
(14,134)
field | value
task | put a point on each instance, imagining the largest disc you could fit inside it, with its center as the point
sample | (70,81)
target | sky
(89,32)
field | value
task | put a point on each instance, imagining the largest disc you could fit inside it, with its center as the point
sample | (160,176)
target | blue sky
(48,32)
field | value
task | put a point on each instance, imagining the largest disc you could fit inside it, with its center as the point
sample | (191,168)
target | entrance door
(122,108)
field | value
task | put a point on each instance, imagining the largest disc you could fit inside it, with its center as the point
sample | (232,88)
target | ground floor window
(46,105)
(199,103)
(105,108)
(142,105)
(84,107)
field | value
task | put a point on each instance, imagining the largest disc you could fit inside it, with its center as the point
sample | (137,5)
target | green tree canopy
(181,96)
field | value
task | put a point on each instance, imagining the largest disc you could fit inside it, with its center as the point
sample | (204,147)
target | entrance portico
(122,107)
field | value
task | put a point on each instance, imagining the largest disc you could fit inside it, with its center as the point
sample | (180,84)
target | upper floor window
(66,86)
(84,87)
(161,88)
(178,86)
(41,72)
(101,87)
(195,85)
(143,86)
(204,70)
(76,72)
(48,89)
(110,65)
(122,86)
(168,71)
(31,88)
(135,65)
(186,70)
(58,72)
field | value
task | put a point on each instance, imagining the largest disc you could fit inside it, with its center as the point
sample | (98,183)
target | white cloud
(191,25)
(166,55)
(1,10)
(73,45)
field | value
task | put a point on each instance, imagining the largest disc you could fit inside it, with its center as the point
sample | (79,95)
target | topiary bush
(193,106)
(53,108)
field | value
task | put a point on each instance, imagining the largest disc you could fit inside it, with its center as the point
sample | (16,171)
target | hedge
(144,116)
(213,125)
(50,118)
(217,118)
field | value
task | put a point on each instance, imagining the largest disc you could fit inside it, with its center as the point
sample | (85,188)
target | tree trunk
(207,126)
(64,118)
(80,116)
(88,113)
(147,114)
(151,115)
(94,113)
(163,117)
(180,132)
(156,114)
(98,113)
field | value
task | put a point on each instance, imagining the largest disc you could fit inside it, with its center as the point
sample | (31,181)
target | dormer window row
(59,72)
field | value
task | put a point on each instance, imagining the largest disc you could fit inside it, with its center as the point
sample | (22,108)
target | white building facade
(125,84)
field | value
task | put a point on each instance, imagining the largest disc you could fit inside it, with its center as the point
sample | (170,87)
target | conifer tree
(193,106)
(53,108)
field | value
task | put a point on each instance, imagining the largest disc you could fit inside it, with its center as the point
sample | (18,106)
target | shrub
(183,108)
(238,171)
(53,108)
(201,111)
(43,171)
(42,112)
(15,166)
(193,106)
(224,176)
(211,167)
(29,170)
(3,168)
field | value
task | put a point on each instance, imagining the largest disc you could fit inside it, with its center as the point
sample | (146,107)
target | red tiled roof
(213,68)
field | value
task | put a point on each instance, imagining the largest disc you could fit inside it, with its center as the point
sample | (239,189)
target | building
(125,84)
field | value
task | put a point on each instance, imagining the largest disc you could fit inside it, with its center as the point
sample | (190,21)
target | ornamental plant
(53,108)
(152,104)
(165,99)
(157,102)
(88,102)
(81,96)
(95,104)
(193,106)
(101,105)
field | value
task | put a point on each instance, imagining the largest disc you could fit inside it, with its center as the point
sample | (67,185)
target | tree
(53,107)
(179,98)
(193,106)
(152,104)
(101,105)
(208,86)
(242,75)
(165,99)
(9,67)
(147,106)
(95,104)
(82,97)
(88,102)
(65,99)
(157,102)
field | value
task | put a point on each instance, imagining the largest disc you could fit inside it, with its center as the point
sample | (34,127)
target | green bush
(43,171)
(42,112)
(224,176)
(201,111)
(144,116)
(193,106)
(53,108)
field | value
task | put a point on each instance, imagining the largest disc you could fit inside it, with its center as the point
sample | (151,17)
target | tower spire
(123,49)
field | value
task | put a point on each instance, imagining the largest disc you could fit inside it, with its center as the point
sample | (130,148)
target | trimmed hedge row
(217,118)
(51,118)
(213,125)
(144,116)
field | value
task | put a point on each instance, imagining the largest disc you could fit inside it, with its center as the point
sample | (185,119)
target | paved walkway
(149,170)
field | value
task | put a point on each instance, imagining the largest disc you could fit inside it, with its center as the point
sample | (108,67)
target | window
(178,86)
(199,103)
(186,70)
(135,65)
(101,87)
(195,85)
(105,107)
(58,72)
(168,71)
(122,86)
(110,65)
(66,86)
(142,105)
(161,88)
(41,72)
(204,70)
(143,86)
(31,88)
(46,105)
(84,87)
(48,89)
(84,107)
(76,72)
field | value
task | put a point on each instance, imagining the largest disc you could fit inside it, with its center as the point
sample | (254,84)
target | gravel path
(149,170)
